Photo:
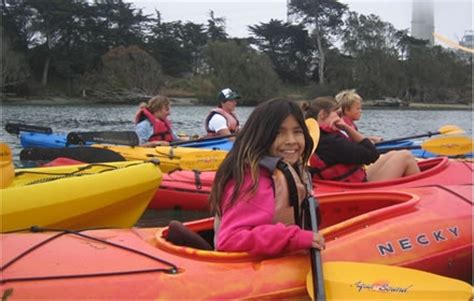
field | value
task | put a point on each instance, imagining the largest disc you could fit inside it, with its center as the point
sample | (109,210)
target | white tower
(422,20)
(290,18)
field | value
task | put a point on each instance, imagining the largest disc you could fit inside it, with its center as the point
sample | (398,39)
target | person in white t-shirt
(222,121)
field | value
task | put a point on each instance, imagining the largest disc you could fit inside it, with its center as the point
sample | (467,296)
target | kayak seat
(180,235)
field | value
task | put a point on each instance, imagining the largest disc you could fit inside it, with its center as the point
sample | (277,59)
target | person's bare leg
(394,164)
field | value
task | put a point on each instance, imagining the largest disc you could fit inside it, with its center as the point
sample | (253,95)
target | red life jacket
(161,128)
(353,173)
(350,122)
(232,121)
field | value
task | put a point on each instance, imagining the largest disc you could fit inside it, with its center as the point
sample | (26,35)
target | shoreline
(55,100)
(192,101)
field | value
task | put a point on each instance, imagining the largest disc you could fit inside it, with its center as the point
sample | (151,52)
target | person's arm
(355,135)
(247,225)
(218,123)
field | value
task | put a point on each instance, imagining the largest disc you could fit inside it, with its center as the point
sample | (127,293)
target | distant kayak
(32,139)
(58,140)
(389,145)
(217,144)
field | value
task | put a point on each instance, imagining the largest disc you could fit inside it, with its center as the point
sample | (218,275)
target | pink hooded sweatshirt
(248,224)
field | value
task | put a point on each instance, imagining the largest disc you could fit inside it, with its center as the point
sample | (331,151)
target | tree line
(111,50)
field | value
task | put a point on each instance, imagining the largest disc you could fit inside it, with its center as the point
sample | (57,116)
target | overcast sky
(452,18)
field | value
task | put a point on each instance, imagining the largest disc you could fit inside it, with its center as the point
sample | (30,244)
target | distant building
(422,20)
(290,18)
(468,39)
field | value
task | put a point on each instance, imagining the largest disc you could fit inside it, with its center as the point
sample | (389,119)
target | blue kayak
(215,144)
(56,140)
(383,147)
(33,139)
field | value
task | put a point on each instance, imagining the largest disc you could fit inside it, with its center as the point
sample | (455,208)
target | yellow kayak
(172,157)
(79,196)
(6,165)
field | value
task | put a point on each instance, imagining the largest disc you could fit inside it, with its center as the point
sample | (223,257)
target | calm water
(190,119)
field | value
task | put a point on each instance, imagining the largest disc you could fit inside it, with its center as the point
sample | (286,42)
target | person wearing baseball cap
(222,121)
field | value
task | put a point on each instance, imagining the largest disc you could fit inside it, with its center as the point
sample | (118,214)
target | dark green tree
(216,28)
(375,48)
(324,19)
(235,64)
(15,69)
(288,46)
(177,46)
(125,73)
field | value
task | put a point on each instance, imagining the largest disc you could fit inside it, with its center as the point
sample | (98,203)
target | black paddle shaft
(429,134)
(316,262)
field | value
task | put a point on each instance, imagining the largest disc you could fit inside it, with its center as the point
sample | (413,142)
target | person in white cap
(222,121)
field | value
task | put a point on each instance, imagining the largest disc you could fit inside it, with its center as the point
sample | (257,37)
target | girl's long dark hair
(252,143)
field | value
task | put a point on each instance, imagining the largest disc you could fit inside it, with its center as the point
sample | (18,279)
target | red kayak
(426,228)
(190,190)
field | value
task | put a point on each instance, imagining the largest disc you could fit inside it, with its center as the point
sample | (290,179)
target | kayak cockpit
(341,214)
(428,168)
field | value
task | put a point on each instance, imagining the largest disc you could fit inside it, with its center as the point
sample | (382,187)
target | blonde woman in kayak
(342,150)
(152,125)
(250,196)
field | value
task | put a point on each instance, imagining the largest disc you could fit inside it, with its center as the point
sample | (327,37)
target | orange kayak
(427,228)
(189,190)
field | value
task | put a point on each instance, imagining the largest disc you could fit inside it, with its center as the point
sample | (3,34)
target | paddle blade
(314,132)
(449,145)
(16,128)
(105,137)
(367,281)
(209,161)
(83,154)
(450,129)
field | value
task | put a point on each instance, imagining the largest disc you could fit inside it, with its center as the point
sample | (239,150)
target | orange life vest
(290,190)
(231,119)
(161,128)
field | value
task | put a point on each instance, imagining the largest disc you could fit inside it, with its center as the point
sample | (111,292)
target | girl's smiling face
(289,143)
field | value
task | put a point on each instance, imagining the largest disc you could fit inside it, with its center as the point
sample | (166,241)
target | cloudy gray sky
(452,18)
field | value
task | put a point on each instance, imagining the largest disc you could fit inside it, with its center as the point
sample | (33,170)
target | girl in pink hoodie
(243,193)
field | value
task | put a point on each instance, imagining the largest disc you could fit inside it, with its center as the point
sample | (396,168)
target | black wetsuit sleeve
(335,149)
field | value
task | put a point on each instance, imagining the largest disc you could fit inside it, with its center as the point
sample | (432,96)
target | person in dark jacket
(342,151)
